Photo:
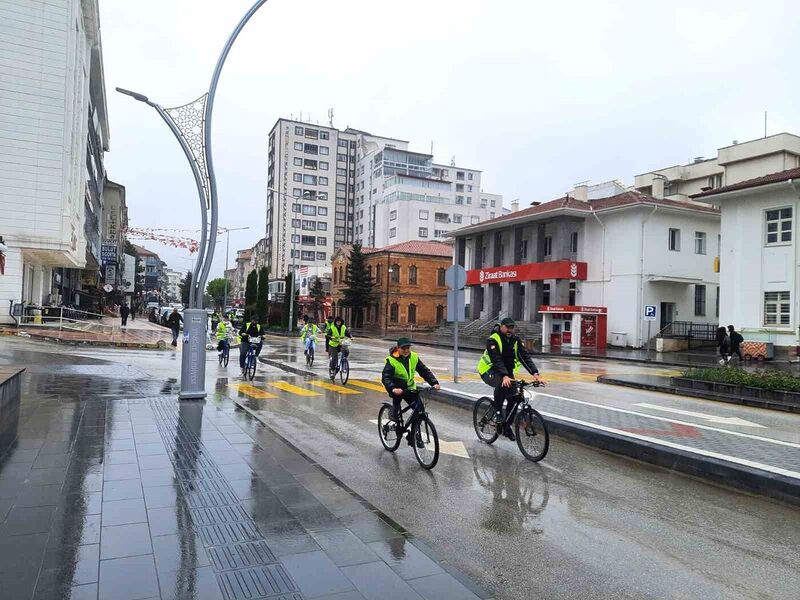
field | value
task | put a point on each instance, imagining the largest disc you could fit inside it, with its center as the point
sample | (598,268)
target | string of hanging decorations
(154,235)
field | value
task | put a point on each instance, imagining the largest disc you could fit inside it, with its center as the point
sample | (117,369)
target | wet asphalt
(580,524)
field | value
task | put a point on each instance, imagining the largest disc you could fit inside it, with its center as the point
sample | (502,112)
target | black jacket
(736,340)
(252,331)
(504,363)
(389,381)
(174,320)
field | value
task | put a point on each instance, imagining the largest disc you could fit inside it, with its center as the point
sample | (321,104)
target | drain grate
(229,533)
(239,556)
(219,514)
(261,582)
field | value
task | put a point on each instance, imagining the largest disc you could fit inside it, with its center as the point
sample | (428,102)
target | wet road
(580,524)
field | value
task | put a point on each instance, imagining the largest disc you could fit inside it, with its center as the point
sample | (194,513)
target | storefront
(574,326)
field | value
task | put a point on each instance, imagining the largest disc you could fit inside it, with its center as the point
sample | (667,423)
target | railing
(690,330)
(51,316)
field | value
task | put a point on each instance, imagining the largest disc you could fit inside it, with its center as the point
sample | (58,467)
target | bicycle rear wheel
(251,368)
(532,436)
(222,355)
(387,429)
(426,442)
(310,356)
(344,371)
(483,420)
(226,353)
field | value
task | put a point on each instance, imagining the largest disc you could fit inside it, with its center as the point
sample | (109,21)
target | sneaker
(392,414)
(498,417)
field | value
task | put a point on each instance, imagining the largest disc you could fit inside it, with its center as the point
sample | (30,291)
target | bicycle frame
(418,410)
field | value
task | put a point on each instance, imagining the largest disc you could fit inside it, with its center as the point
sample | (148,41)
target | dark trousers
(333,351)
(495,380)
(410,396)
(175,332)
(124,321)
(244,348)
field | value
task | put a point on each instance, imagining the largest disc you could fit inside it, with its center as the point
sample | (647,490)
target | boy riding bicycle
(398,376)
(309,334)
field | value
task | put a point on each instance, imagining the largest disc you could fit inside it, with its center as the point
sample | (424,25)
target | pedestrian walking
(124,312)
(724,346)
(736,341)
(174,323)
(134,308)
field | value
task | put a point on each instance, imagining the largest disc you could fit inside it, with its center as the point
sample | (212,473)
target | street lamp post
(227,230)
(389,272)
(191,126)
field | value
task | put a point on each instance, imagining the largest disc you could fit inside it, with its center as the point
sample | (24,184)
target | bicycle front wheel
(483,420)
(251,368)
(532,436)
(344,371)
(387,429)
(426,443)
(222,356)
(310,356)
(226,352)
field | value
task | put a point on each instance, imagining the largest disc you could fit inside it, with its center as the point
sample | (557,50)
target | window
(341,157)
(324,149)
(298,146)
(699,242)
(295,254)
(394,274)
(322,211)
(310,148)
(457,218)
(459,199)
(441,217)
(297,192)
(440,274)
(297,177)
(573,242)
(548,245)
(298,131)
(309,210)
(491,215)
(312,133)
(423,232)
(439,314)
(323,166)
(779,225)
(322,226)
(322,241)
(295,238)
(412,275)
(321,256)
(393,232)
(393,215)
(322,196)
(309,226)
(699,301)
(474,220)
(298,162)
(573,290)
(469,199)
(493,203)
(296,208)
(324,135)
(307,255)
(469,189)
(309,240)
(394,311)
(469,176)
(777,309)
(342,143)
(412,313)
(675,240)
(341,172)
(310,179)
(295,222)
(546,294)
(459,187)
(716,307)
(339,231)
(460,175)
(439,233)
(423,215)
(379,274)
(323,181)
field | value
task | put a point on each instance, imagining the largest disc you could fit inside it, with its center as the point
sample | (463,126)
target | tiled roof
(629,198)
(420,247)
(751,183)
(143,251)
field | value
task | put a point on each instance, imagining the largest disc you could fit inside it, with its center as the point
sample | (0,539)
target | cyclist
(398,376)
(498,366)
(250,330)
(328,323)
(215,320)
(338,331)
(223,330)
(309,334)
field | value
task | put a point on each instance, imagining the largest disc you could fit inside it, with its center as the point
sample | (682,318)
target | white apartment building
(760,256)
(327,187)
(53,132)
(173,285)
(576,258)
(733,164)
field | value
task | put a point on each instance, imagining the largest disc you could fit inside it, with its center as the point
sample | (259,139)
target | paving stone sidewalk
(111,489)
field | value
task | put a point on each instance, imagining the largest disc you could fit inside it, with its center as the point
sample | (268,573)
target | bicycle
(225,355)
(530,429)
(419,428)
(250,361)
(343,364)
(310,353)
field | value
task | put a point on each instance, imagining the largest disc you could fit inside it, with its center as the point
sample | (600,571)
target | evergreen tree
(317,292)
(360,290)
(262,298)
(186,288)
(215,290)
(250,295)
(288,286)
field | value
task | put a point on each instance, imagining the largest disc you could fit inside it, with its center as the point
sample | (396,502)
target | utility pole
(227,231)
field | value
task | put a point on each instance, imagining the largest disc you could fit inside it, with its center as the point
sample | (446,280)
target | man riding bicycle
(328,324)
(309,334)
(398,376)
(498,367)
(251,330)
(338,331)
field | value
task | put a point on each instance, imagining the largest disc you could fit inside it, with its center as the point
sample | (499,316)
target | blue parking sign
(649,312)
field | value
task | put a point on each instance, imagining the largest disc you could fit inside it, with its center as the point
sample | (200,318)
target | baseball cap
(403,341)
(508,322)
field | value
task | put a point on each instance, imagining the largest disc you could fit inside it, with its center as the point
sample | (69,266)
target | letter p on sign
(649,312)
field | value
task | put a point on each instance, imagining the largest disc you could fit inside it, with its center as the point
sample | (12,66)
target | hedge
(768,380)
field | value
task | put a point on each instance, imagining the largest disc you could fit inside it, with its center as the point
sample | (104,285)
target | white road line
(725,457)
(456,448)
(706,416)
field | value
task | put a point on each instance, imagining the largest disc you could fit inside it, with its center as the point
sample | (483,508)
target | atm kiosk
(574,327)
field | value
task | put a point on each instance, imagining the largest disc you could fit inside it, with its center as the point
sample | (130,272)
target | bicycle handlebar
(535,383)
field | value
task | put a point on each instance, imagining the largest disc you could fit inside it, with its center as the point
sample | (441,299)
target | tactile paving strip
(246,569)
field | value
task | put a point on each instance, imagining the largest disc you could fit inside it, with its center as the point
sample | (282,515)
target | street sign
(108,252)
(455,306)
(649,312)
(455,277)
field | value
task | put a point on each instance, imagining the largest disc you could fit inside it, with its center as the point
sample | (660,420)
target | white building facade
(760,256)
(52,112)
(618,253)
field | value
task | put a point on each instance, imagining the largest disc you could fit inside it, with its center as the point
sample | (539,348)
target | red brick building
(410,291)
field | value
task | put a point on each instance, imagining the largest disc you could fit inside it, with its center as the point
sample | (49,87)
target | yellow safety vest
(304,332)
(222,330)
(336,335)
(400,369)
(485,363)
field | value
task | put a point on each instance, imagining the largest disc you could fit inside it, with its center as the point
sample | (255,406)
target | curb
(668,389)
(709,469)
(451,569)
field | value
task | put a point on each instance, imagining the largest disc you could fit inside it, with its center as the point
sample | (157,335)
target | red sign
(595,310)
(589,332)
(558,269)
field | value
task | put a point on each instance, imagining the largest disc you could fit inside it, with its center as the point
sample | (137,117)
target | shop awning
(672,279)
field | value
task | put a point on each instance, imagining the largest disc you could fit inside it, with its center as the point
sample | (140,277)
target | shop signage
(108,251)
(596,310)
(557,269)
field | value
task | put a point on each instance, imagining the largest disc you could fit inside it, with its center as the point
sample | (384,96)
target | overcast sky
(538,95)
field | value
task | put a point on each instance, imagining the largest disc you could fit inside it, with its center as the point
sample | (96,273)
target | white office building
(327,187)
